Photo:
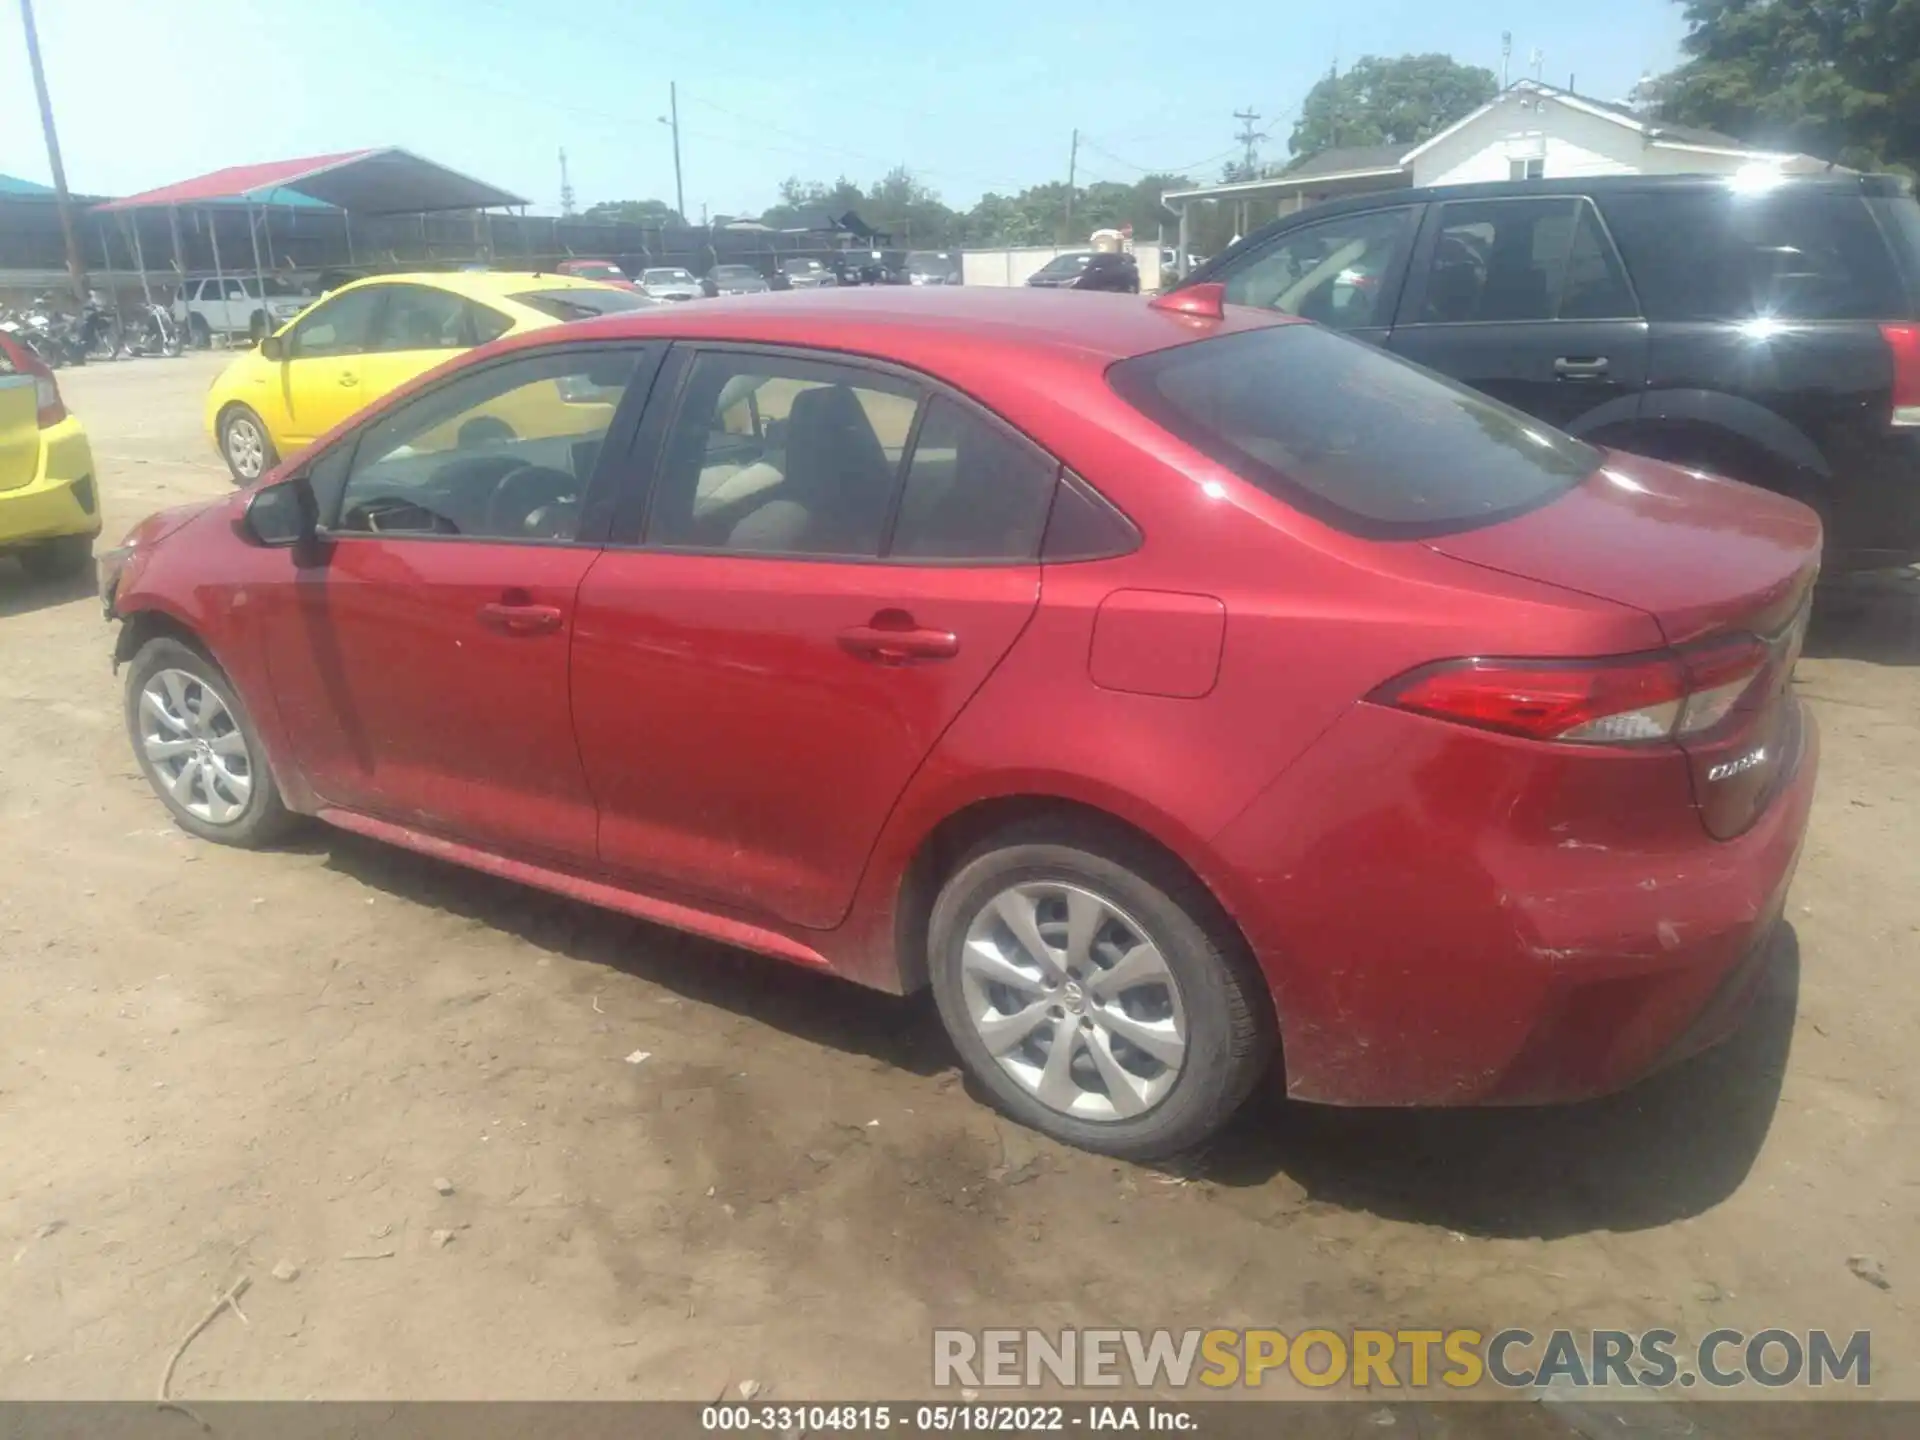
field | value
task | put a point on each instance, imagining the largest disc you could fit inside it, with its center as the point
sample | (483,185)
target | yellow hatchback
(370,337)
(49,502)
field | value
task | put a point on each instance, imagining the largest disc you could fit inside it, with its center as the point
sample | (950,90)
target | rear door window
(973,491)
(1715,254)
(1353,436)
(1516,260)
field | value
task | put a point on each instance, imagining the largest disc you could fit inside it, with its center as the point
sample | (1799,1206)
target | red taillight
(51,409)
(1904,342)
(1626,700)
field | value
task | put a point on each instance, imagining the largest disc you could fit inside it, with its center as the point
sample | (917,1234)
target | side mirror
(281,515)
(273,348)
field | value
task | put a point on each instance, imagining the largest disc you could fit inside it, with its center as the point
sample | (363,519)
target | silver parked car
(669,282)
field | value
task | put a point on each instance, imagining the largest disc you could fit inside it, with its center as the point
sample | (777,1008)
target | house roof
(1656,131)
(14,187)
(384,181)
(1346,160)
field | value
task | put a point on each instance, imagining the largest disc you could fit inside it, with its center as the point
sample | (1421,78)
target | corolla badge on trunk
(1727,769)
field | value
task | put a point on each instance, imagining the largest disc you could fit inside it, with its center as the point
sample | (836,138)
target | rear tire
(197,746)
(245,445)
(199,333)
(1161,1053)
(59,559)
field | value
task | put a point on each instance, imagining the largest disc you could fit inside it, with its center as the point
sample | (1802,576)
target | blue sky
(974,95)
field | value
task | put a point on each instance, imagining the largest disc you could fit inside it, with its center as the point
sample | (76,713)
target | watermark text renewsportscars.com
(1364,1359)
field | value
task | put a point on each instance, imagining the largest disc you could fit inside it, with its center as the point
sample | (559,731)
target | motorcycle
(100,336)
(55,336)
(16,327)
(150,330)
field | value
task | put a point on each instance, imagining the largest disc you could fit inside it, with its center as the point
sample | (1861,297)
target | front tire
(246,445)
(1096,991)
(59,559)
(198,748)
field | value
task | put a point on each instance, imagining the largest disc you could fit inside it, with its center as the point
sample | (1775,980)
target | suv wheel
(199,333)
(198,748)
(245,444)
(1095,992)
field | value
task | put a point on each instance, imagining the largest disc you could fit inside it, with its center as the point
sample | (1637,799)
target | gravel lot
(212,1062)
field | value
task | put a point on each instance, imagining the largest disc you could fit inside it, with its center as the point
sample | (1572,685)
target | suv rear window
(1351,435)
(583,303)
(1785,254)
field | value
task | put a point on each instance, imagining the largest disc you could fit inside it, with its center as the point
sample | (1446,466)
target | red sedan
(1178,691)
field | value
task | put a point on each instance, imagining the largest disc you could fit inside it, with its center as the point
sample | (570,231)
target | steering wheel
(521,491)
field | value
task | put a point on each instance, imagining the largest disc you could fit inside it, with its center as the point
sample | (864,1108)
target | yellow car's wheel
(245,444)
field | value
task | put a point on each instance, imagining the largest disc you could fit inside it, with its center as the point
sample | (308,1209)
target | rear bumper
(1477,921)
(61,499)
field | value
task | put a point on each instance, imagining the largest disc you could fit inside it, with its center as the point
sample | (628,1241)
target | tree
(1399,101)
(634,212)
(801,199)
(1833,78)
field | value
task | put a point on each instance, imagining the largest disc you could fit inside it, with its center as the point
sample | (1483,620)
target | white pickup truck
(233,305)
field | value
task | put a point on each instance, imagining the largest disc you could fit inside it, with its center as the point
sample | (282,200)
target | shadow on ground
(1668,1148)
(904,1033)
(1874,617)
(22,594)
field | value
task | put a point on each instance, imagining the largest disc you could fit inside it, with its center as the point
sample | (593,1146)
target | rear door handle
(898,645)
(1581,368)
(347,377)
(520,619)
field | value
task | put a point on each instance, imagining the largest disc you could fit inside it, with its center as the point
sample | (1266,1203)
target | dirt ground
(212,1062)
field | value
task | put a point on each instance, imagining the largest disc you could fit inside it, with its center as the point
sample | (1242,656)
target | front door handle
(1584,367)
(347,377)
(520,619)
(892,638)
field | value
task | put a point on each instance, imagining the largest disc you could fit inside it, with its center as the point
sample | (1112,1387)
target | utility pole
(1248,135)
(1073,167)
(76,266)
(1506,55)
(566,187)
(673,109)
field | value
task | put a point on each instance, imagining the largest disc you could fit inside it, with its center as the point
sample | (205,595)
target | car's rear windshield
(734,272)
(1351,435)
(582,303)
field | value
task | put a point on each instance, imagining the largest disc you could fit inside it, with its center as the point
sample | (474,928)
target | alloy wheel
(246,447)
(194,746)
(1074,1000)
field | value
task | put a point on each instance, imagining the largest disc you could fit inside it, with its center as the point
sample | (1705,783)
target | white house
(1527,131)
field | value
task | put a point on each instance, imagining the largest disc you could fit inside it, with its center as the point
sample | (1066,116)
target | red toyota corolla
(1174,690)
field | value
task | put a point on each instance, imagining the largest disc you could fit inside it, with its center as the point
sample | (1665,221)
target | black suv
(1763,331)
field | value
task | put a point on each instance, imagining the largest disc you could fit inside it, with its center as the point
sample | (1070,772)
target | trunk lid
(1707,558)
(1700,554)
(19,428)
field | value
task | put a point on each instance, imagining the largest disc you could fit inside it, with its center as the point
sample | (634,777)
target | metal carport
(384,181)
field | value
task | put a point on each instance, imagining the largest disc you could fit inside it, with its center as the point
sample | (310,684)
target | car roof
(917,327)
(1838,182)
(1834,183)
(480,284)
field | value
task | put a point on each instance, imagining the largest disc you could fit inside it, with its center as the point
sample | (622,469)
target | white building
(1528,131)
